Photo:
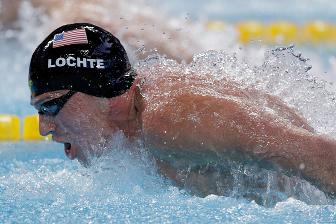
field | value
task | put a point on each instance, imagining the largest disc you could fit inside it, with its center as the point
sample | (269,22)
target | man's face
(78,124)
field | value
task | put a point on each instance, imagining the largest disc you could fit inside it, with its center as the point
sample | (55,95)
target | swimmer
(85,91)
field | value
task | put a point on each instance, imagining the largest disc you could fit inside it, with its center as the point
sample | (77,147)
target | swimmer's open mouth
(69,150)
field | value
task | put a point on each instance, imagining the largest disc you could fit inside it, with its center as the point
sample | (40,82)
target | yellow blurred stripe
(31,129)
(9,127)
(250,31)
(282,33)
(318,32)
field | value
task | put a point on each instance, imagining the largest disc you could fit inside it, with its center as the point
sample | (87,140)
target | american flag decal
(77,36)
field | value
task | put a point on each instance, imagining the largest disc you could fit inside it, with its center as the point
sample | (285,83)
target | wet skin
(173,118)
(82,122)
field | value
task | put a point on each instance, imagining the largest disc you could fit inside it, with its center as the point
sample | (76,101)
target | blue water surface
(39,185)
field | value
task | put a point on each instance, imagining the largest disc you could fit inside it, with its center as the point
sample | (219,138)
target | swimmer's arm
(294,149)
(311,156)
(297,150)
(220,125)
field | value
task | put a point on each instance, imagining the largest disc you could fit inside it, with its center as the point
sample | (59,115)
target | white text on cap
(76,62)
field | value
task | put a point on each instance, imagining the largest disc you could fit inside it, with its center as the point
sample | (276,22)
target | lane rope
(280,32)
(12,128)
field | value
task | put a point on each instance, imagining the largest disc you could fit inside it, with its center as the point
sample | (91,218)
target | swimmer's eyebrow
(39,100)
(36,101)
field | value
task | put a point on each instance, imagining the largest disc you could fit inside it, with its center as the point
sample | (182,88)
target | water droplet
(302,166)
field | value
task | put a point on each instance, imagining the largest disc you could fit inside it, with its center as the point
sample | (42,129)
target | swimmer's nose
(46,125)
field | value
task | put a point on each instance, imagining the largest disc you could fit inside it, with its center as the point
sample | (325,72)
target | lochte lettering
(79,62)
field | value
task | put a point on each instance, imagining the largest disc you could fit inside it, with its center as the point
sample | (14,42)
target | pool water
(38,184)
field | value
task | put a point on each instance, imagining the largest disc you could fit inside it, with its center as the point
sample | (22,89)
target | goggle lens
(53,107)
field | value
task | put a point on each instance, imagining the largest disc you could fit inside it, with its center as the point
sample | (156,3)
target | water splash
(283,73)
(42,186)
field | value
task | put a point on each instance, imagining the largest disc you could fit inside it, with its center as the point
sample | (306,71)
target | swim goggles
(53,107)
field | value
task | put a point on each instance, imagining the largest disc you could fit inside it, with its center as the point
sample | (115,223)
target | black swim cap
(80,57)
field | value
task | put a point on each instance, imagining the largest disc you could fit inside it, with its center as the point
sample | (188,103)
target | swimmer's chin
(74,152)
